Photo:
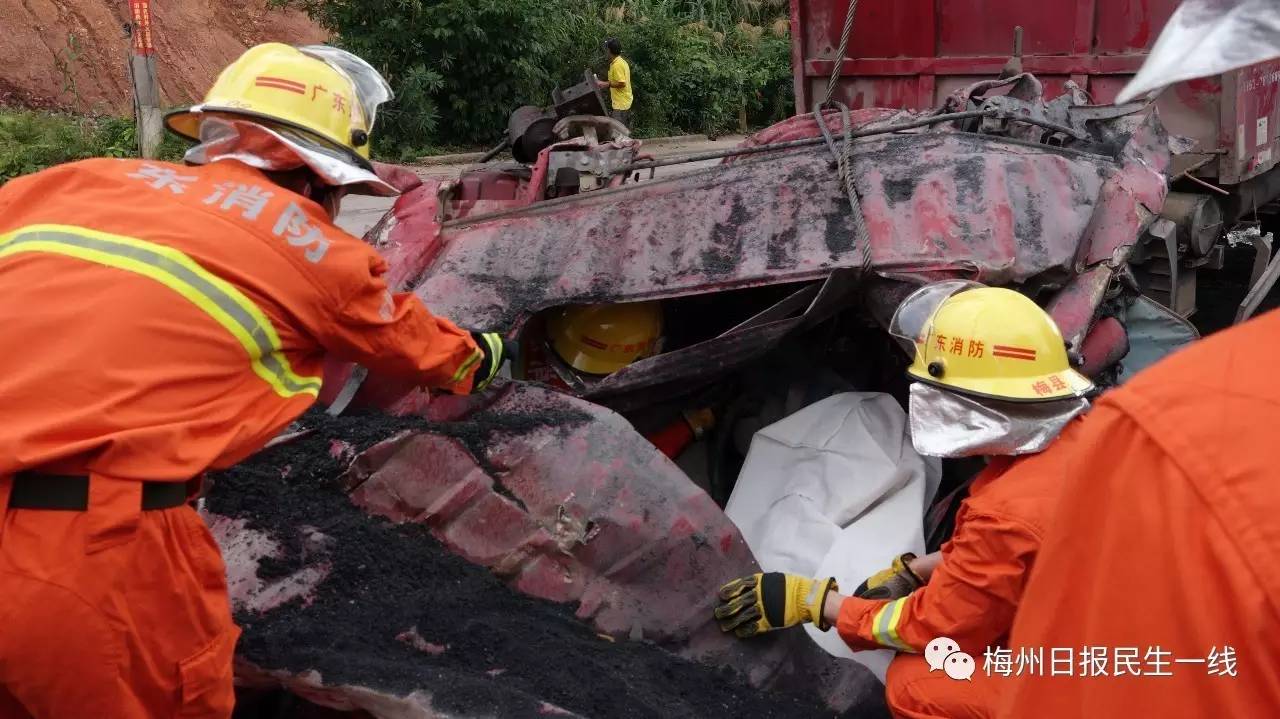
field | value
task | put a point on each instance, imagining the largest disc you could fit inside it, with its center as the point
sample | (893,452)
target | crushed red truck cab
(760,280)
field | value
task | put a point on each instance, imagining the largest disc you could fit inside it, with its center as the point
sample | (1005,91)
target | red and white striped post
(146,89)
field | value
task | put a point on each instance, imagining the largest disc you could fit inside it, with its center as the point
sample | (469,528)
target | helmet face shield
(371,87)
(911,323)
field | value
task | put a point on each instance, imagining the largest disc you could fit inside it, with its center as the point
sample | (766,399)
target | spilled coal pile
(398,612)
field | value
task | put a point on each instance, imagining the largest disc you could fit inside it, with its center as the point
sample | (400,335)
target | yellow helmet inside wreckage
(987,342)
(602,339)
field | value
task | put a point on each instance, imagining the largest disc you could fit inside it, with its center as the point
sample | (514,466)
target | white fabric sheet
(835,489)
(1208,37)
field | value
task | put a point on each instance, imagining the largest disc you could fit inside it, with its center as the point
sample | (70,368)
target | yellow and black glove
(496,351)
(766,602)
(895,582)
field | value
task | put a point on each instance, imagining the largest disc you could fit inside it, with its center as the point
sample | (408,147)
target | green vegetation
(460,66)
(31,140)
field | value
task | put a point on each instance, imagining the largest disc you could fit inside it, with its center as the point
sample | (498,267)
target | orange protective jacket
(1166,545)
(973,593)
(159,320)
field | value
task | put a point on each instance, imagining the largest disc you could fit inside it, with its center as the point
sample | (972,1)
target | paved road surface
(359,212)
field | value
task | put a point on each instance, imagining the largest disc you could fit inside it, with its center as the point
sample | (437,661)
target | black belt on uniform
(32,490)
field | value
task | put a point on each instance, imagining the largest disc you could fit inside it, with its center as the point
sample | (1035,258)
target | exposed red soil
(42,66)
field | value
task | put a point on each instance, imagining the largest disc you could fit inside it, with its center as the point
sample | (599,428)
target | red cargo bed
(914,53)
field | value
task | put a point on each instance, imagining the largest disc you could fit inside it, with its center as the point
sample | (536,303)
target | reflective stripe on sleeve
(476,356)
(884,627)
(229,307)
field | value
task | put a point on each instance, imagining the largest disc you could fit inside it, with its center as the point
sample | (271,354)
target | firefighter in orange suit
(159,320)
(993,379)
(1161,572)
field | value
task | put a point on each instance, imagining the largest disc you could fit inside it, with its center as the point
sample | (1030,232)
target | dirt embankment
(72,54)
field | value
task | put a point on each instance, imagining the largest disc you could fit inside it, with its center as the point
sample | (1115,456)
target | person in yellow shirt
(619,83)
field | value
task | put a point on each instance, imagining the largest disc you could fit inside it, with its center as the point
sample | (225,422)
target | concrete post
(146,89)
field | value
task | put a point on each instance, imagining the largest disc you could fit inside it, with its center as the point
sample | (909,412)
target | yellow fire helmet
(328,95)
(602,339)
(987,342)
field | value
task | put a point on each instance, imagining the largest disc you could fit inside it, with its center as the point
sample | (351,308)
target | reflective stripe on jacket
(158,319)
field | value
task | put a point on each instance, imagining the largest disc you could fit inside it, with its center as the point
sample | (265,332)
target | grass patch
(31,140)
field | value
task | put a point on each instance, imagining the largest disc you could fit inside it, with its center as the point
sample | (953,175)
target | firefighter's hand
(767,602)
(898,581)
(496,352)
